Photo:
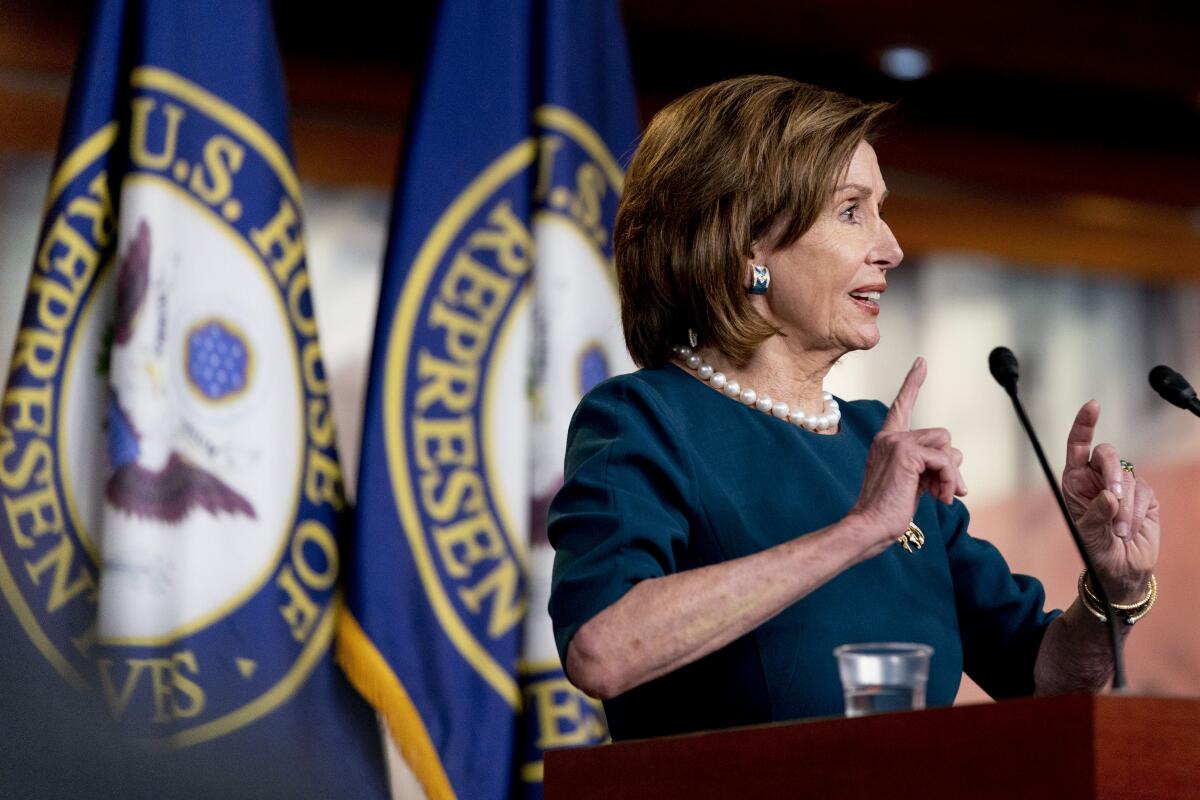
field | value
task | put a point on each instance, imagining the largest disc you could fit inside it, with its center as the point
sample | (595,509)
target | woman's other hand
(1116,512)
(903,463)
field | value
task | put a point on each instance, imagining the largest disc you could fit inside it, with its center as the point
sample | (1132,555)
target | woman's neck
(787,374)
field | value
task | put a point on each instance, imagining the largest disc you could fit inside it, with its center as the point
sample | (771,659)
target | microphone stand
(1114,634)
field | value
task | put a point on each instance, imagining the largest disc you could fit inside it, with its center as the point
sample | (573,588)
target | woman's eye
(850,214)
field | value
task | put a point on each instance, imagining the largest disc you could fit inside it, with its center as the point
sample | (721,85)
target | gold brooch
(912,537)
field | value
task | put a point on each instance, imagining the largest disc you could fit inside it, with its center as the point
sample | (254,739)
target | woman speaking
(725,523)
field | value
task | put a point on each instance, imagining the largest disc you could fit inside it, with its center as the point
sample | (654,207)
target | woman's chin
(865,339)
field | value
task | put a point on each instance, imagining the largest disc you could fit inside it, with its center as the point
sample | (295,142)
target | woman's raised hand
(903,463)
(1117,513)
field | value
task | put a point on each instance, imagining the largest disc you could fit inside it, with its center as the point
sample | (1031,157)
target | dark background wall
(1073,125)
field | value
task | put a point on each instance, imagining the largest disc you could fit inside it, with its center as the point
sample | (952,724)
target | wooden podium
(1067,748)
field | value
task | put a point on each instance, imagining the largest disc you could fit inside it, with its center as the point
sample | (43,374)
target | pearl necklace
(765,403)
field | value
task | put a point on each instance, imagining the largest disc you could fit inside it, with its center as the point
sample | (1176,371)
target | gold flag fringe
(374,679)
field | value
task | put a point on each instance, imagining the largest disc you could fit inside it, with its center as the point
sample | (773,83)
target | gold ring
(1127,466)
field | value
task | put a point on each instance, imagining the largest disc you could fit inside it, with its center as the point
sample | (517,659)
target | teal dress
(664,474)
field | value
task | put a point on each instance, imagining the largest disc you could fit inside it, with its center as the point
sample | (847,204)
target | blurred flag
(498,311)
(170,487)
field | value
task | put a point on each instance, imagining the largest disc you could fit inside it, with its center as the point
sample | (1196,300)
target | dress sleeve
(621,515)
(1000,614)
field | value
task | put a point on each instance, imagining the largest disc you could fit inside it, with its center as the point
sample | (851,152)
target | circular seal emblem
(508,314)
(166,456)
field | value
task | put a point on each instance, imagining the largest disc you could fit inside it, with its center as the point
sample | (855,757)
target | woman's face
(825,286)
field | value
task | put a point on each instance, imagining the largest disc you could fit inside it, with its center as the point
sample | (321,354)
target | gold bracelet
(1087,601)
(1131,612)
(1151,593)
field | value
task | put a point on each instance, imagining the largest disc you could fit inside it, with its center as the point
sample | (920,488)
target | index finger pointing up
(1083,430)
(899,416)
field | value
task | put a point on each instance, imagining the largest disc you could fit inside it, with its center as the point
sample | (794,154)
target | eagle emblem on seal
(148,477)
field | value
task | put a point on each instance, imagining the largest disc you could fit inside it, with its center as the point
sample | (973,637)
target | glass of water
(883,676)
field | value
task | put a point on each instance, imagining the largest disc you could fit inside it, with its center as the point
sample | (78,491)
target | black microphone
(1003,366)
(1174,388)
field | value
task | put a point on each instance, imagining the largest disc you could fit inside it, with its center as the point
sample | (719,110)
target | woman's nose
(886,253)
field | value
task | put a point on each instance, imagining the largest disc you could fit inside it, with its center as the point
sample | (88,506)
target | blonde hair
(747,161)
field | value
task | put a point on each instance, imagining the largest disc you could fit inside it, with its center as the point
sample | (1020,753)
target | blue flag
(170,489)
(498,311)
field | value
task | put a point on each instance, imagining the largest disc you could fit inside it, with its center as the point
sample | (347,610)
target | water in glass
(863,700)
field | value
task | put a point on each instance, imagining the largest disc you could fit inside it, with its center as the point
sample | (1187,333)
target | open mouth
(867,300)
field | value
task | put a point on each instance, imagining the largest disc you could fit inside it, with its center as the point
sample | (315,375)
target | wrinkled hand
(903,463)
(1117,514)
